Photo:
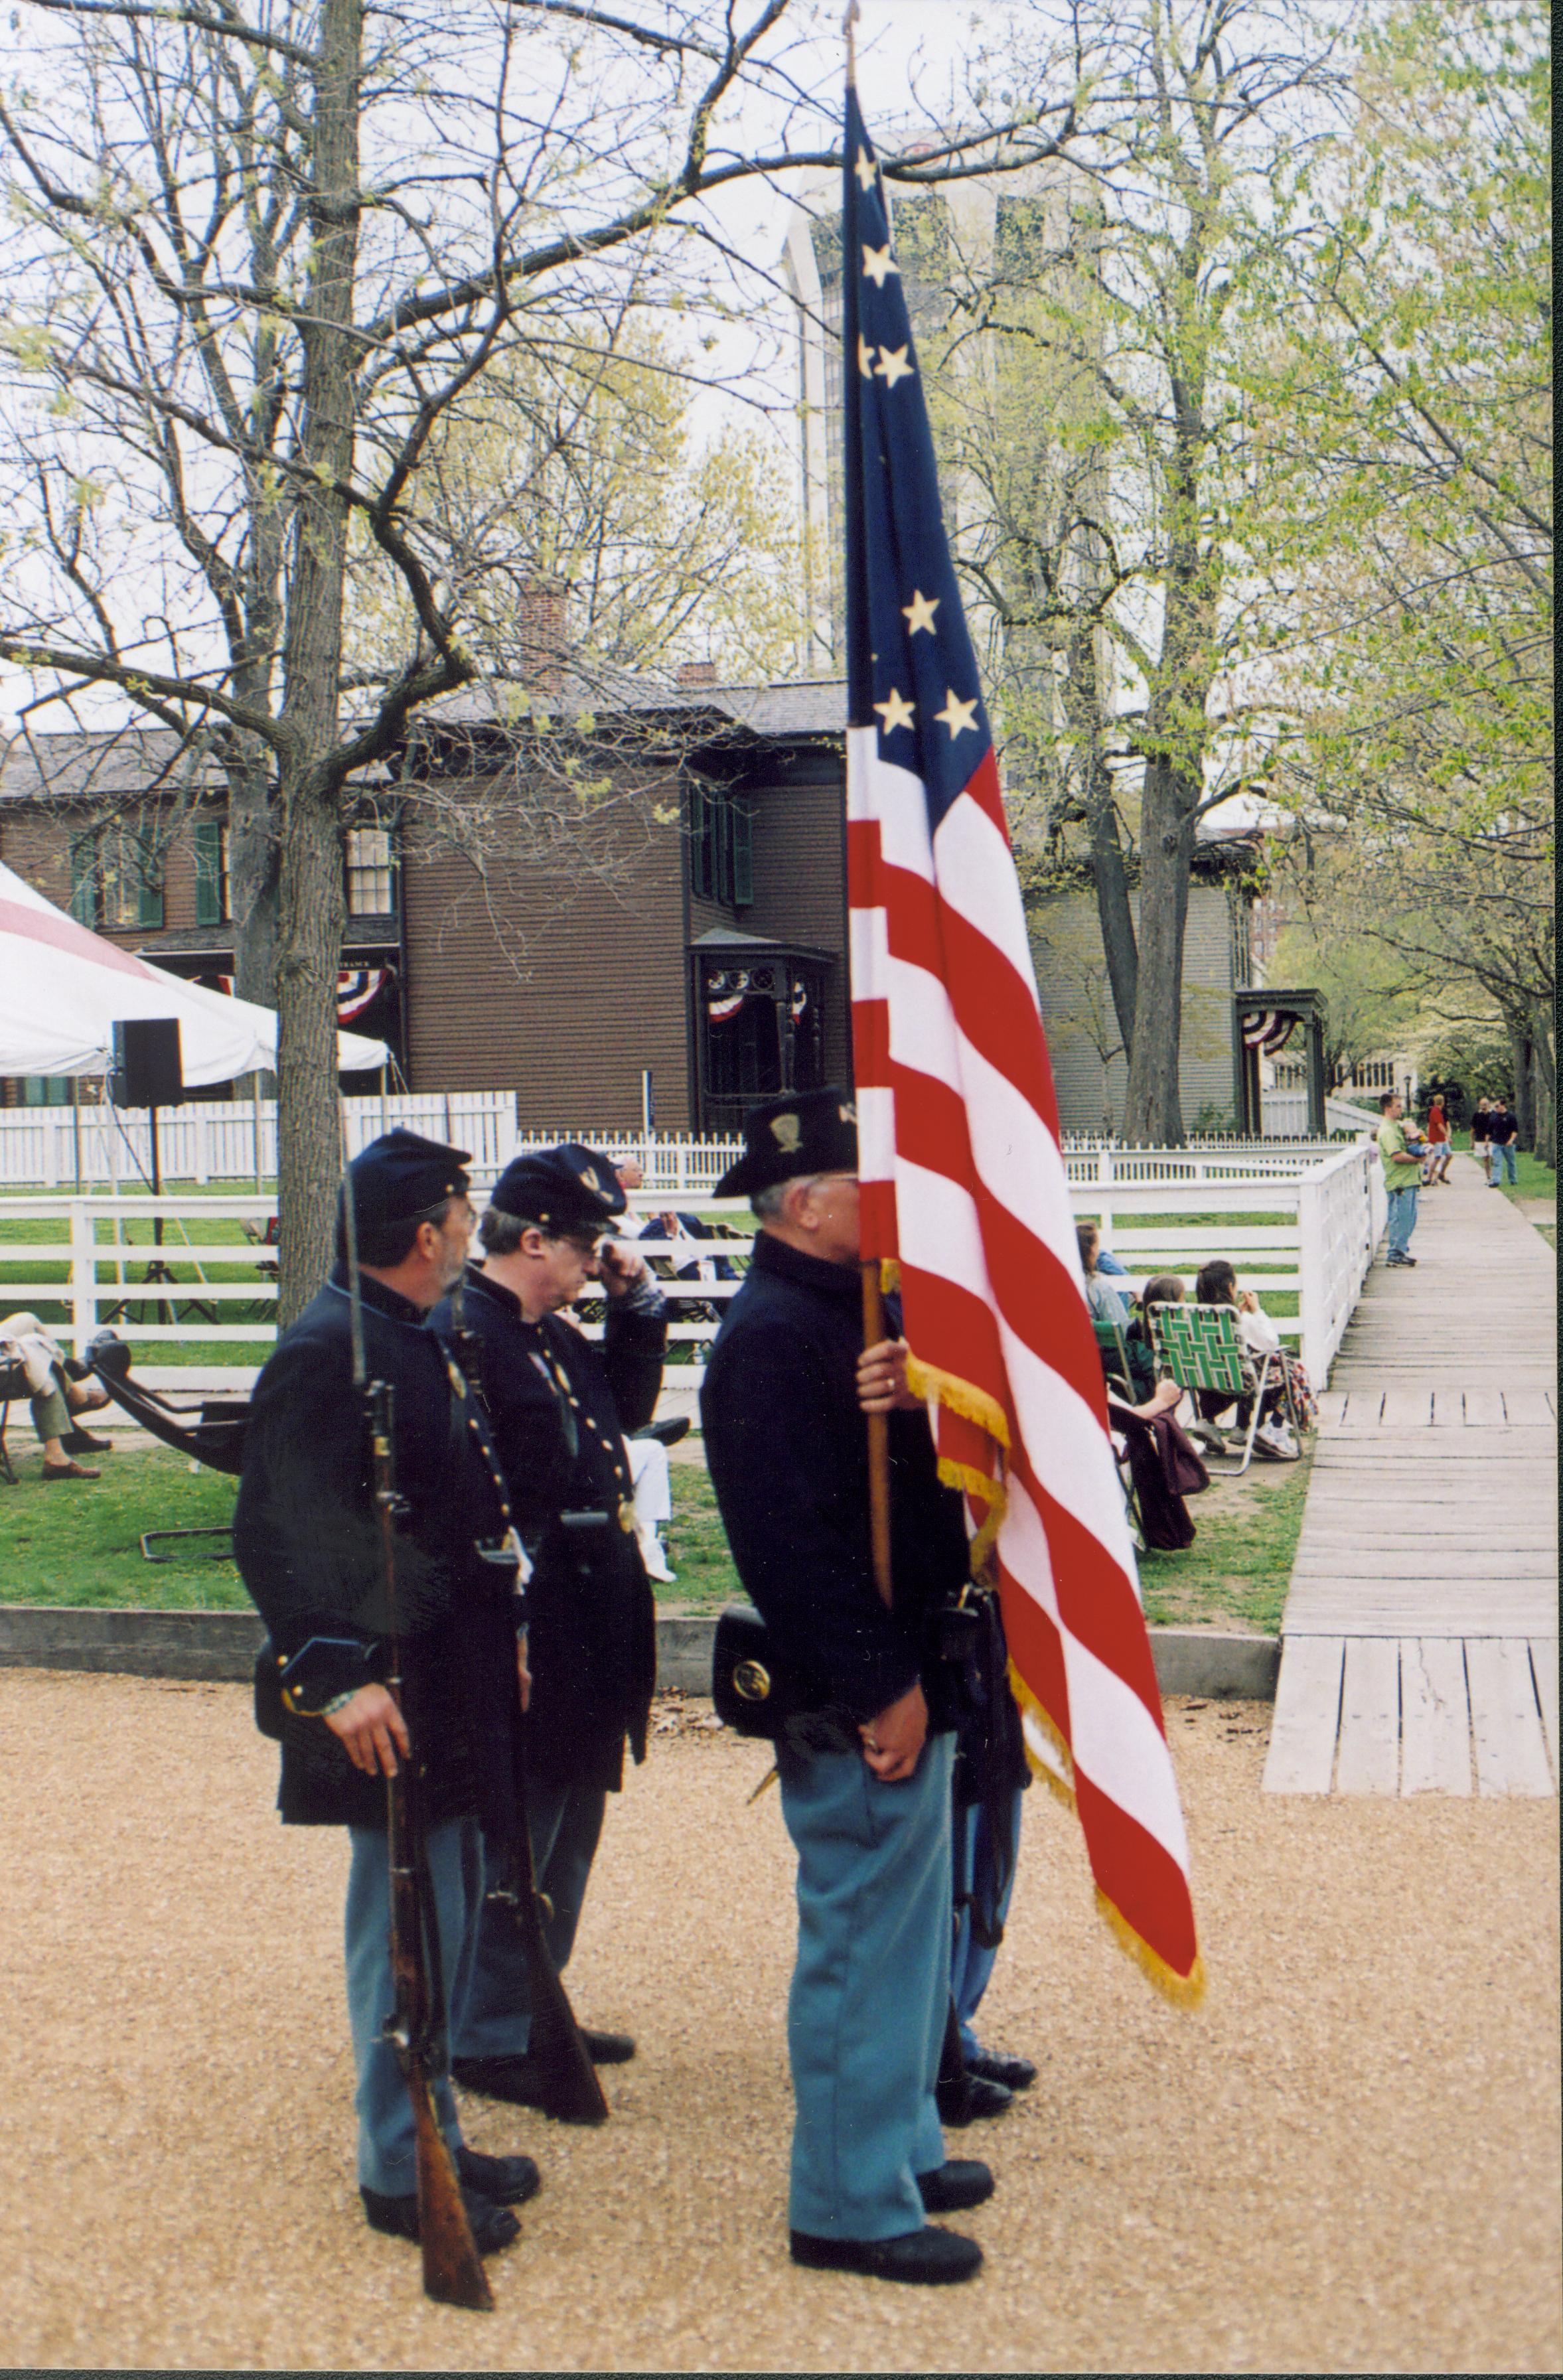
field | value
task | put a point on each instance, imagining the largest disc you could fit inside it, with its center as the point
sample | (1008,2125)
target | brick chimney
(696,673)
(544,634)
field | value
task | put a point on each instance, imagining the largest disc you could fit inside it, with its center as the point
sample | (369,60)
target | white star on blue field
(912,672)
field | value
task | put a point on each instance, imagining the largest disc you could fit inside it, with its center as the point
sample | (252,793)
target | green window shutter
(148,883)
(702,839)
(722,813)
(743,819)
(83,879)
(208,872)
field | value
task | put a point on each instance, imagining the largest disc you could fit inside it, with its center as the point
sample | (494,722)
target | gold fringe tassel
(890,1276)
(1184,1991)
(961,1397)
(1061,1787)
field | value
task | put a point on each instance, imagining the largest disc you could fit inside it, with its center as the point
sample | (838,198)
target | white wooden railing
(101,1147)
(1323,1209)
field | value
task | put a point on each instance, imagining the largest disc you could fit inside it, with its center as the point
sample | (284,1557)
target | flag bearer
(864,1763)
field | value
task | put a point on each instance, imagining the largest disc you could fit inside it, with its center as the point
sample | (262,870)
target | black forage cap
(401,1175)
(802,1131)
(570,1188)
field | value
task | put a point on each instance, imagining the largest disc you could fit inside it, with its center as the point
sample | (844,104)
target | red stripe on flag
(864,860)
(1034,1289)
(1139,1876)
(955,1331)
(1097,1600)
(1035,1648)
(870,1043)
(876,1219)
(993,1005)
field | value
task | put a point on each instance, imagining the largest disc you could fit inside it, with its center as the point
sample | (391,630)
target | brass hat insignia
(788,1131)
(589,1178)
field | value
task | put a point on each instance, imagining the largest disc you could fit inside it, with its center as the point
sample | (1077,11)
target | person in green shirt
(1401,1160)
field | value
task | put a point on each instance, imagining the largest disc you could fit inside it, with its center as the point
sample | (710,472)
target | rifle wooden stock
(453,2270)
(575,2095)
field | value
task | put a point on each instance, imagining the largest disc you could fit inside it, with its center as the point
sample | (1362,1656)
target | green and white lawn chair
(1198,1347)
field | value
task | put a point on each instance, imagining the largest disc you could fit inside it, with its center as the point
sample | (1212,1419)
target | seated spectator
(1164,1466)
(1216,1286)
(1102,1297)
(54,1396)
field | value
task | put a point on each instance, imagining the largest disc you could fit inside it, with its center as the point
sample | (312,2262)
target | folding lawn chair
(1198,1347)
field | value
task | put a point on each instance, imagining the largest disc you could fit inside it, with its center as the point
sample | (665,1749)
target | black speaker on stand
(149,1073)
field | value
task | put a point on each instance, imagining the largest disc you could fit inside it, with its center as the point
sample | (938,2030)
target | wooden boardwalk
(1421,1630)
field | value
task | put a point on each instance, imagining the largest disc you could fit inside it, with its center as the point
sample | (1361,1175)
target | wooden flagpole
(872,1300)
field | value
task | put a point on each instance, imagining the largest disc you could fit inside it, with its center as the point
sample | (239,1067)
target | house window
(721,846)
(211,872)
(115,878)
(371,872)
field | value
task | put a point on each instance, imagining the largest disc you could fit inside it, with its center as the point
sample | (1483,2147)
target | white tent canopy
(62,989)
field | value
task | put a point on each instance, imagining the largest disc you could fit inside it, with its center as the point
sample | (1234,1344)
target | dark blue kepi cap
(569,1188)
(401,1175)
(802,1131)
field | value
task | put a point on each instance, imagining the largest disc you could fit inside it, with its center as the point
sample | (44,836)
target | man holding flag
(956,1180)
(963,1188)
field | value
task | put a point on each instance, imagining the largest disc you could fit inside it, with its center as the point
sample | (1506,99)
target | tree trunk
(311,890)
(252,877)
(1153,1111)
(1113,912)
(309,1106)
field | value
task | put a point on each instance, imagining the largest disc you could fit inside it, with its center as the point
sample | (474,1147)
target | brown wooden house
(681,921)
(636,887)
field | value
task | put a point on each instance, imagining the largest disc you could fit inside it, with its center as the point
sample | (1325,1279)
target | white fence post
(83,1276)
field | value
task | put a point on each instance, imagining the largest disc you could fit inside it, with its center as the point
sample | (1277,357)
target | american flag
(964,1182)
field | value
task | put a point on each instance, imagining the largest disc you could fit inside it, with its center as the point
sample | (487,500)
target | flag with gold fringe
(963,1180)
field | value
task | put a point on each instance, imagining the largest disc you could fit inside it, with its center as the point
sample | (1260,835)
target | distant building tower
(953,241)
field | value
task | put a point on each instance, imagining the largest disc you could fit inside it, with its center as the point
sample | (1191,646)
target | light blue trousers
(1502,1161)
(387,2157)
(970,1965)
(871,1991)
(493,2016)
(1402,1219)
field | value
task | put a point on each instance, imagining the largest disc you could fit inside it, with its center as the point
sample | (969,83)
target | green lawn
(1236,1572)
(81,1544)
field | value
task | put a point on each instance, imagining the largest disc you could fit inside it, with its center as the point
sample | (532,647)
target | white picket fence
(110,1148)
(1324,1203)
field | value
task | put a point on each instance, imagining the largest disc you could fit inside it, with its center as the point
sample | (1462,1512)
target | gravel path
(1348,2161)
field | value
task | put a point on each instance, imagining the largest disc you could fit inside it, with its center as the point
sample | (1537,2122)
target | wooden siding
(561,989)
(36,843)
(800,892)
(1077,1008)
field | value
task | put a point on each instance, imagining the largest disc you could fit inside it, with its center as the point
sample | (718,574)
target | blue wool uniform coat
(307,1543)
(788,1453)
(560,1408)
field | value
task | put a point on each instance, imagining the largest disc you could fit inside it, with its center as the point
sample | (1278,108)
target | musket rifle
(453,2270)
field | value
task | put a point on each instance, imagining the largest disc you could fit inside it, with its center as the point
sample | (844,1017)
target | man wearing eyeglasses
(561,1408)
